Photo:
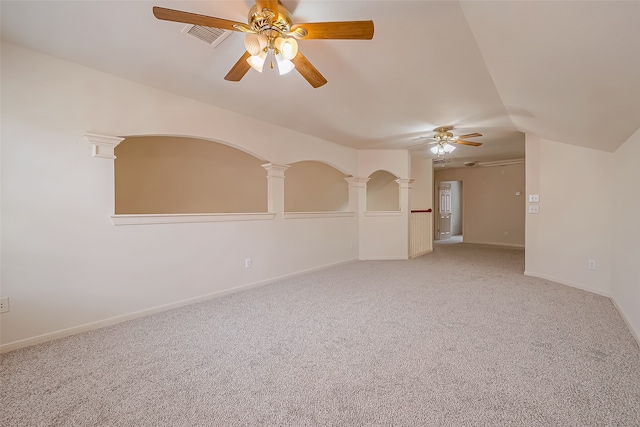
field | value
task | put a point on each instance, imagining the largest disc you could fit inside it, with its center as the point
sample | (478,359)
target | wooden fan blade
(308,71)
(470,135)
(194,18)
(474,144)
(353,30)
(272,5)
(238,71)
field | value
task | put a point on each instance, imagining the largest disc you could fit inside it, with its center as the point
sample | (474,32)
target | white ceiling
(568,71)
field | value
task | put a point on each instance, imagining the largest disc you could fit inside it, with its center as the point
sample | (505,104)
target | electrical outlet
(592,264)
(4,304)
(247,263)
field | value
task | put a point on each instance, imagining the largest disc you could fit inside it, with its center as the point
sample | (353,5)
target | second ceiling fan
(271,31)
(443,139)
(442,135)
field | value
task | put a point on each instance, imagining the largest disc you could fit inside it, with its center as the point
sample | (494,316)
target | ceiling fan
(271,31)
(443,135)
(443,139)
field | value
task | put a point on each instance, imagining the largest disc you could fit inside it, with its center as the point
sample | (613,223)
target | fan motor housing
(267,19)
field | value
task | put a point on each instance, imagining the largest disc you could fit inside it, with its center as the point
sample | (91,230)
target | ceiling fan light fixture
(257,61)
(442,148)
(284,65)
(255,43)
(288,47)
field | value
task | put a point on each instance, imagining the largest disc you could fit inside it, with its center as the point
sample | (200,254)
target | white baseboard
(499,245)
(564,282)
(420,254)
(634,332)
(39,339)
(383,258)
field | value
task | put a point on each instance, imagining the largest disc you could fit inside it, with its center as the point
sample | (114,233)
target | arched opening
(312,186)
(383,193)
(179,175)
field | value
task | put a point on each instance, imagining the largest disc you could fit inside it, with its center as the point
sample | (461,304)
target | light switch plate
(4,304)
(534,209)
(534,198)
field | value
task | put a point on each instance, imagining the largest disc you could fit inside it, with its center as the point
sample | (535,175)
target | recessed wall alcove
(313,186)
(383,193)
(180,175)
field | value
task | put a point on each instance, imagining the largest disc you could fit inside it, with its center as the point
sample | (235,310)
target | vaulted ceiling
(568,71)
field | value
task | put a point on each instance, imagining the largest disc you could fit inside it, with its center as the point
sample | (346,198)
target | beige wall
(626,231)
(160,174)
(421,194)
(492,213)
(589,203)
(575,223)
(315,187)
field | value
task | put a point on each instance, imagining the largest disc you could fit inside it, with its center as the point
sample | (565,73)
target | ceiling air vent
(209,35)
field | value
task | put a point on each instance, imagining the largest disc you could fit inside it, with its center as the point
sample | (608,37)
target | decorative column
(357,194)
(358,203)
(404,186)
(275,187)
(103,145)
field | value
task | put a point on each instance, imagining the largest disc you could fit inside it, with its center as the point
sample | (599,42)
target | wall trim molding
(634,333)
(158,309)
(275,170)
(405,183)
(383,213)
(497,245)
(385,258)
(566,283)
(302,215)
(143,219)
(625,318)
(103,145)
(355,182)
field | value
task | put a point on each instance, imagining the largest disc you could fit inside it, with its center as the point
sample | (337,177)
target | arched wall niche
(315,186)
(161,174)
(396,162)
(383,193)
(342,158)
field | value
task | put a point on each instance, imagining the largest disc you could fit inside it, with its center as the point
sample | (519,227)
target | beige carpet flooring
(459,337)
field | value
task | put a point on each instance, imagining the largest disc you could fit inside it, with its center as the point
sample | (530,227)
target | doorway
(449,223)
